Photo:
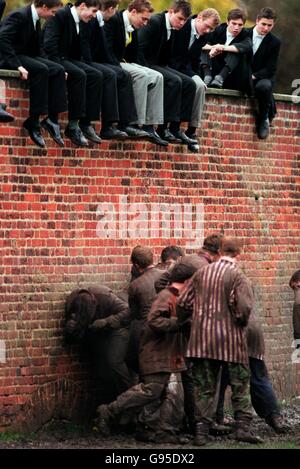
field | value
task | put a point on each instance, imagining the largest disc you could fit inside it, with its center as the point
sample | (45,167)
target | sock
(33,121)
(206,70)
(53,118)
(84,122)
(174,127)
(161,128)
(190,131)
(73,124)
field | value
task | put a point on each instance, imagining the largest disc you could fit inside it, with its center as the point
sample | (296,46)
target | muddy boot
(218,429)
(276,422)
(244,434)
(102,423)
(201,437)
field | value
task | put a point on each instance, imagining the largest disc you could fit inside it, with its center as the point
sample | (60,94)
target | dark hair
(183,6)
(106,4)
(181,272)
(48,3)
(171,252)
(140,6)
(212,243)
(236,14)
(89,3)
(142,256)
(295,278)
(80,311)
(230,246)
(267,13)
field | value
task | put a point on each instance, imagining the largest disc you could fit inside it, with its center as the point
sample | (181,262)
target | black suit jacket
(60,35)
(183,59)
(2,7)
(116,39)
(18,37)
(242,41)
(153,40)
(264,62)
(98,43)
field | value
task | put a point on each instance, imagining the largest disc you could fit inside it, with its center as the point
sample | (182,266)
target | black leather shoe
(76,137)
(263,128)
(4,115)
(155,138)
(111,133)
(168,136)
(35,134)
(194,148)
(184,138)
(133,132)
(90,134)
(217,82)
(54,130)
(207,80)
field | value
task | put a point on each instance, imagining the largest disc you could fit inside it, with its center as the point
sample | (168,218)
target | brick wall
(70,217)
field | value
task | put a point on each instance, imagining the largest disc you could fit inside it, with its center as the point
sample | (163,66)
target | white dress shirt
(229,37)
(128,27)
(100,19)
(256,40)
(168,25)
(35,16)
(76,18)
(194,34)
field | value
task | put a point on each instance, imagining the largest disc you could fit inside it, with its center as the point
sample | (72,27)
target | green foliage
(12,436)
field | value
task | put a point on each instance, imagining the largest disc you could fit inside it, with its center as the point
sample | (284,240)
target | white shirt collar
(35,16)
(76,18)
(100,18)
(257,35)
(229,37)
(128,27)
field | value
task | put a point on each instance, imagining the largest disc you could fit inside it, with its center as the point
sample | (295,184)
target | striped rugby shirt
(221,298)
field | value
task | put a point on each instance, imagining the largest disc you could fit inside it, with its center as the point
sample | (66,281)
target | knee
(176,82)
(41,70)
(77,75)
(263,87)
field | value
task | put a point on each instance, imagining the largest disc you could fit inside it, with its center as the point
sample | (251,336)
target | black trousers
(127,108)
(85,86)
(124,96)
(108,350)
(47,85)
(263,91)
(237,79)
(179,94)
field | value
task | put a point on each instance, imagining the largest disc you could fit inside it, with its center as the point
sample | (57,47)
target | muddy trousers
(142,398)
(206,375)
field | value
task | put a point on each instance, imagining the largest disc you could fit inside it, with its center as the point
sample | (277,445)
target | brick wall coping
(212,91)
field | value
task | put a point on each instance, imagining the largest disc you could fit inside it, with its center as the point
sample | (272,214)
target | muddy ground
(66,435)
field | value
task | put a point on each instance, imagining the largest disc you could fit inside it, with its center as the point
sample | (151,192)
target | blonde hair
(210,13)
